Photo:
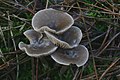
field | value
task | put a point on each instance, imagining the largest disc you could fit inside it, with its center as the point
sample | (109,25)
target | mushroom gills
(56,40)
(69,39)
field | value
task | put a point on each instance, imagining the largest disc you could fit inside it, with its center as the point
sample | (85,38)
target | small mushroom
(69,39)
(52,20)
(78,55)
(38,46)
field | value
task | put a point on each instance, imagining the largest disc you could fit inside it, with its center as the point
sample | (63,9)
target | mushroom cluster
(54,35)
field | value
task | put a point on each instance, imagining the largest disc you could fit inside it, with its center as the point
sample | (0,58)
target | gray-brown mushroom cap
(78,56)
(69,39)
(52,20)
(38,46)
(32,35)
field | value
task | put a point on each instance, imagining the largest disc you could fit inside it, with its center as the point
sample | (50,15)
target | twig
(107,33)
(5,65)
(110,13)
(7,72)
(102,4)
(96,6)
(4,60)
(76,73)
(108,43)
(71,7)
(14,44)
(95,70)
(37,62)
(81,73)
(33,69)
(28,9)
(2,35)
(109,68)
(35,3)
(93,39)
(46,4)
